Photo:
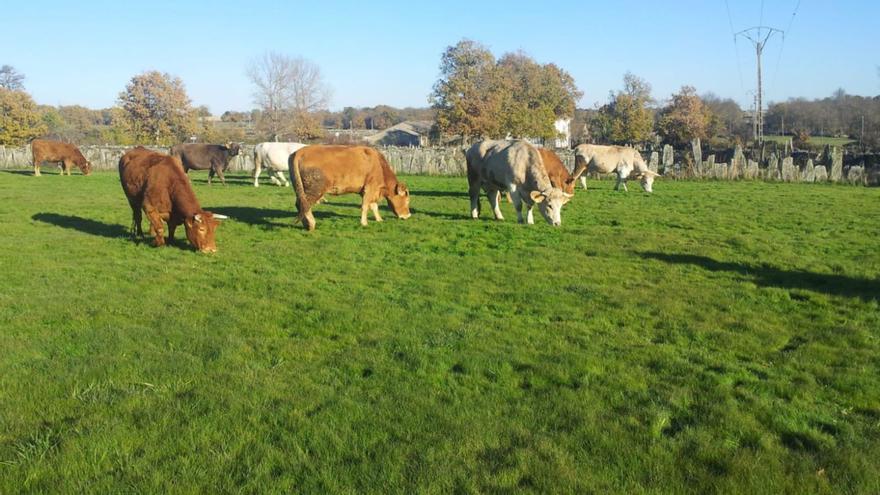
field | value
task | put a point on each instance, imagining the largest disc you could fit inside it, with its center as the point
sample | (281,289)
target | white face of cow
(550,204)
(647,181)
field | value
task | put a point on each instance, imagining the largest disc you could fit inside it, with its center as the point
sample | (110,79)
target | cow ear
(536,196)
(401,189)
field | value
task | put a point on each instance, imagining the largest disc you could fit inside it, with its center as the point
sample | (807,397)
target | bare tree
(288,90)
(11,79)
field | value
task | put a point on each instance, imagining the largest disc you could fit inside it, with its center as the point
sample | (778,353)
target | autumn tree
(11,79)
(685,118)
(20,120)
(468,95)
(289,91)
(157,109)
(477,96)
(535,96)
(626,118)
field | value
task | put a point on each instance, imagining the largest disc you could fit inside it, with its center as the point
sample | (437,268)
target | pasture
(714,337)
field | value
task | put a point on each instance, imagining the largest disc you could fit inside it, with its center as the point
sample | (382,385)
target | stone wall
(451,161)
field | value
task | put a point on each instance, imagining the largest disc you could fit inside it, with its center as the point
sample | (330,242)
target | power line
(782,47)
(760,41)
(742,84)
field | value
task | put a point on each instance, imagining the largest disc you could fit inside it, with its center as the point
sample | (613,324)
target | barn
(410,133)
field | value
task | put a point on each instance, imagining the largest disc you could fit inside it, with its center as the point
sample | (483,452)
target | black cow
(211,157)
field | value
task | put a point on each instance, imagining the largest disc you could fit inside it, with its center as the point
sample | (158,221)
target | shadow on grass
(200,177)
(85,225)
(24,172)
(443,194)
(268,217)
(768,276)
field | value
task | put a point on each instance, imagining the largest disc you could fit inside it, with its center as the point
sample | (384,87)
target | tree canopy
(20,119)
(156,109)
(477,96)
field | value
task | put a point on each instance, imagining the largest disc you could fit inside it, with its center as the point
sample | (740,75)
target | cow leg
(172,226)
(474,193)
(584,181)
(364,207)
(517,205)
(156,228)
(210,175)
(36,168)
(621,181)
(220,171)
(257,170)
(375,208)
(494,202)
(530,219)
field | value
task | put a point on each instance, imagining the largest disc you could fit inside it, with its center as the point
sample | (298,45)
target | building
(410,133)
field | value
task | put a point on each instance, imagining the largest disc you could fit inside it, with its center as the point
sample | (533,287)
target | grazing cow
(624,161)
(318,170)
(557,172)
(156,183)
(515,167)
(211,157)
(66,155)
(274,156)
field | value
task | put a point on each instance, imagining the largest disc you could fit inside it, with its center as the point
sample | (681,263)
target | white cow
(274,156)
(624,161)
(515,167)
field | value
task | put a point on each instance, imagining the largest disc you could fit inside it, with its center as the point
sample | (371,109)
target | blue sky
(388,52)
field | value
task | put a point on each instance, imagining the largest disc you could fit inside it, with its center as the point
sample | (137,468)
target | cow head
(200,230)
(646,179)
(568,185)
(398,201)
(233,148)
(86,168)
(550,203)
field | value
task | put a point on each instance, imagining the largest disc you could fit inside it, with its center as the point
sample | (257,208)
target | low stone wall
(451,161)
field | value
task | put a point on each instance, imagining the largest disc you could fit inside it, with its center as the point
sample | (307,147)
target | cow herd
(156,184)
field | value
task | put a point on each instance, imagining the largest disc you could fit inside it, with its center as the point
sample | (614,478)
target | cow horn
(198,217)
(219,216)
(567,195)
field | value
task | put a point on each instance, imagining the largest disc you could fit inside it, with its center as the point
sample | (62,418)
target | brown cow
(559,175)
(66,155)
(156,183)
(319,170)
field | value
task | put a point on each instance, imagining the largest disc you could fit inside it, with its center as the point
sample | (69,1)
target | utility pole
(755,35)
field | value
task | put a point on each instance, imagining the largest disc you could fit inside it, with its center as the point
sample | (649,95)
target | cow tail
(302,202)
(580,166)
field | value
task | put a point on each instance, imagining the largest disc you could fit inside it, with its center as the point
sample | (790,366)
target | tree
(468,95)
(626,118)
(685,118)
(727,118)
(20,120)
(157,109)
(475,96)
(288,90)
(11,79)
(535,96)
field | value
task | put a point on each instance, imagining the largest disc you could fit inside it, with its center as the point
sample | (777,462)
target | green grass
(815,141)
(714,337)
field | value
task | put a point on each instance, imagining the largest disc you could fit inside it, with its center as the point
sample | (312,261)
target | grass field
(815,141)
(714,337)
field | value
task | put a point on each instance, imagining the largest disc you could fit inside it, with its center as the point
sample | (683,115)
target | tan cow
(156,183)
(515,167)
(66,155)
(557,172)
(624,161)
(319,170)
